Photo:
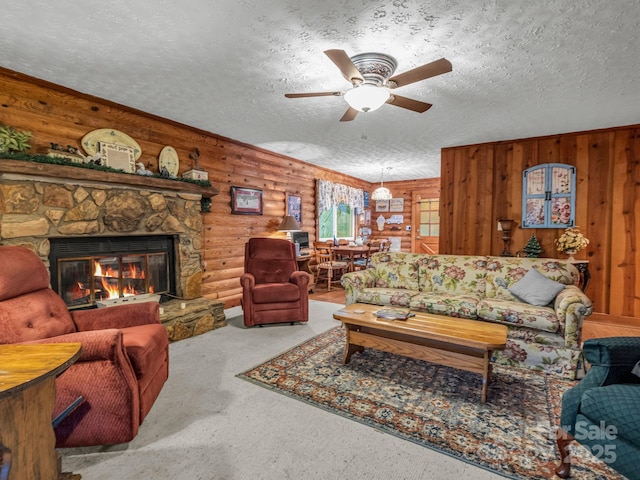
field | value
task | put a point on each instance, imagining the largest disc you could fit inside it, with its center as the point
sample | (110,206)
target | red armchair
(273,290)
(124,360)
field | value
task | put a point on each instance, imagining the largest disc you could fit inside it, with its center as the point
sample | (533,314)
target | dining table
(350,253)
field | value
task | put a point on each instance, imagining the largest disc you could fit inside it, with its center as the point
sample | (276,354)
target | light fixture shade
(288,224)
(506,224)
(366,98)
(381,193)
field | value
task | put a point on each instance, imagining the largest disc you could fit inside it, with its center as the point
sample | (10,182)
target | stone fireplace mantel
(39,201)
(85,174)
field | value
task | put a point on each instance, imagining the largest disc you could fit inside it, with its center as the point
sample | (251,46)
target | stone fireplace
(43,203)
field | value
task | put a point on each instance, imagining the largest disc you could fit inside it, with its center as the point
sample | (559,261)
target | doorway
(425,226)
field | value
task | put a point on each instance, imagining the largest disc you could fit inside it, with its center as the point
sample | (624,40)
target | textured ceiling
(521,68)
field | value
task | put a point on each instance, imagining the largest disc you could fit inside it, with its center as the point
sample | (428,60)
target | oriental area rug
(438,407)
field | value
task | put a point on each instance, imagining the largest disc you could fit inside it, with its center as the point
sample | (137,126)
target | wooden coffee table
(454,342)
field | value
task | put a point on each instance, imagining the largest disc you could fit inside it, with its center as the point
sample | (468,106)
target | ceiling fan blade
(429,70)
(313,94)
(344,63)
(409,103)
(349,115)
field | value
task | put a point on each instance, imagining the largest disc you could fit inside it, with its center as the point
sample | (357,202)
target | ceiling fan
(370,75)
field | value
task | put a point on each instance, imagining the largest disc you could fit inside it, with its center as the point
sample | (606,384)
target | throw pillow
(636,369)
(536,289)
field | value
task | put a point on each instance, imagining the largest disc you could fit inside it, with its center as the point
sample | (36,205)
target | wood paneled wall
(481,183)
(427,188)
(60,115)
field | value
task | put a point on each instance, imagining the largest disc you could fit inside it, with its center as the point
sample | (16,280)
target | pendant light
(382,192)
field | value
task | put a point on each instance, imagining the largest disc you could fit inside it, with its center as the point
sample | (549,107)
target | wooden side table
(585,275)
(304,260)
(27,399)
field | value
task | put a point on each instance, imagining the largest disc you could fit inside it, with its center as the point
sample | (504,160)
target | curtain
(330,194)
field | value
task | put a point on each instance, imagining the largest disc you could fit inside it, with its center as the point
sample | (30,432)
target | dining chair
(327,265)
(342,242)
(362,263)
(375,245)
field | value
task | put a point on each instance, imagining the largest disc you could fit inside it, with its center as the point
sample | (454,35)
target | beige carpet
(208,424)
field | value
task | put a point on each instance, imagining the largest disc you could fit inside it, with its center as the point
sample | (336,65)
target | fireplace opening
(94,271)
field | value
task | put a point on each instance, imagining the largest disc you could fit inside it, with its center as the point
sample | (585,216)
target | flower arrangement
(571,240)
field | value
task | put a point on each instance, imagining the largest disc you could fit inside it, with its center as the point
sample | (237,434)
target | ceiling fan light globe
(367,98)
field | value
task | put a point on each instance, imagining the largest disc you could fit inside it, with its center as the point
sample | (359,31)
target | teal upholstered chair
(602,412)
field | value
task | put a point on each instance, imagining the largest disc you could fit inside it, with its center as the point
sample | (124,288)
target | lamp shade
(381,193)
(366,98)
(288,224)
(506,224)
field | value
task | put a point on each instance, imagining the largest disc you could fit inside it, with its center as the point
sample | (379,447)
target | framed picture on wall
(396,205)
(294,207)
(120,157)
(382,205)
(246,201)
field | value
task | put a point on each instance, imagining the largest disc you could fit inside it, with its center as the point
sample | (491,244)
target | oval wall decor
(91,141)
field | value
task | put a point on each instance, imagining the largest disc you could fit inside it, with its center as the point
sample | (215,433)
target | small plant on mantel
(12,140)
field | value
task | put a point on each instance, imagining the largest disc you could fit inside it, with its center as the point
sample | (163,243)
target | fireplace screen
(88,271)
(88,280)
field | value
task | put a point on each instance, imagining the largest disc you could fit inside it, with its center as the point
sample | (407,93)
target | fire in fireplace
(86,271)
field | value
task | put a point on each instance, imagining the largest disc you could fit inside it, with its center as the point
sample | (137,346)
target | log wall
(481,183)
(407,189)
(63,116)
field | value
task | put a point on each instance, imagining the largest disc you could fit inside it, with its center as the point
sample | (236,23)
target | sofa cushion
(502,272)
(34,316)
(449,304)
(615,405)
(518,313)
(386,296)
(453,274)
(536,289)
(397,275)
(533,335)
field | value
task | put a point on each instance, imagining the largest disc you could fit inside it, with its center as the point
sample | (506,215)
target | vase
(571,252)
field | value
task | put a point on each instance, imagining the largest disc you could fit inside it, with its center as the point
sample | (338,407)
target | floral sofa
(542,335)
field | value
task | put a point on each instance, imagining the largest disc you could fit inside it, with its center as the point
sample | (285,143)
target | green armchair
(602,412)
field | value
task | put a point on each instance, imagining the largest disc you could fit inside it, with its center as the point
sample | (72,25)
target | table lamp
(289,224)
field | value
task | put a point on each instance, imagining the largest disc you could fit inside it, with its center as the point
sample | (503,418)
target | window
(337,222)
(430,217)
(337,205)
(548,196)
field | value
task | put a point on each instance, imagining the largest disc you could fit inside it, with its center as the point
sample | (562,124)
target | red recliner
(123,364)
(273,289)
